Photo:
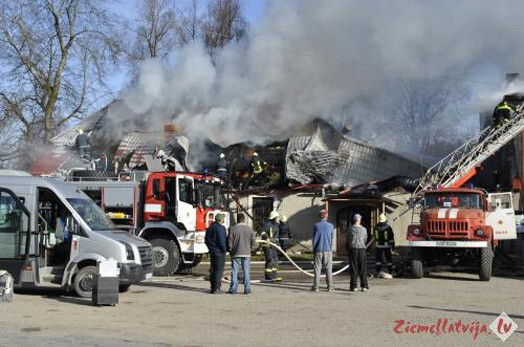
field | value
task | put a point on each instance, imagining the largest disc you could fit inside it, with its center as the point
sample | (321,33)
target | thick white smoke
(311,58)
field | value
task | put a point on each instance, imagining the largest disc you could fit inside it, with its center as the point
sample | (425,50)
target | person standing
(222,167)
(284,233)
(385,239)
(241,241)
(216,243)
(356,242)
(270,233)
(323,233)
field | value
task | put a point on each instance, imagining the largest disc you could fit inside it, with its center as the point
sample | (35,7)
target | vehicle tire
(416,263)
(83,282)
(188,268)
(123,288)
(485,263)
(166,257)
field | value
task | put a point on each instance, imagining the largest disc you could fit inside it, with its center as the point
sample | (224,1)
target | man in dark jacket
(385,239)
(216,243)
(241,241)
(82,143)
(356,242)
(323,233)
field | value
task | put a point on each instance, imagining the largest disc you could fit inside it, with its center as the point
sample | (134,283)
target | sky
(128,9)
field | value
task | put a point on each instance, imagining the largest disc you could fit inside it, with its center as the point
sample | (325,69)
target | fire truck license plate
(446,243)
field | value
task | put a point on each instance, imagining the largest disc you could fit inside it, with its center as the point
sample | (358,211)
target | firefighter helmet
(382,218)
(273,215)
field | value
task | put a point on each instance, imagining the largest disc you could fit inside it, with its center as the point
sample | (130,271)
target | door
(262,207)
(186,210)
(14,234)
(501,216)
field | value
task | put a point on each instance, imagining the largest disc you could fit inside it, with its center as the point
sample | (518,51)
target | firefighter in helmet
(270,233)
(502,113)
(82,143)
(385,243)
(256,165)
(222,167)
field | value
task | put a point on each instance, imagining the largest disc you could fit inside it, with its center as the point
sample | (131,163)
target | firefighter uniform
(222,167)
(256,165)
(385,242)
(502,113)
(270,233)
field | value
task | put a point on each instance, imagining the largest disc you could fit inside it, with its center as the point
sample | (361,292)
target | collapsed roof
(321,154)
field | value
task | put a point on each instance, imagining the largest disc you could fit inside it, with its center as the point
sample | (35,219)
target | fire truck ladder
(460,165)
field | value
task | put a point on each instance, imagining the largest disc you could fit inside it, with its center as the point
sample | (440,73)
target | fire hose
(307,273)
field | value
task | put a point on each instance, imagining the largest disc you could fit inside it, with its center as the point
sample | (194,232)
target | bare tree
(189,24)
(225,22)
(155,32)
(55,55)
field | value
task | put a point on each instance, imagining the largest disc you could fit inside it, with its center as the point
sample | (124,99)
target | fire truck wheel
(485,263)
(166,257)
(416,263)
(83,282)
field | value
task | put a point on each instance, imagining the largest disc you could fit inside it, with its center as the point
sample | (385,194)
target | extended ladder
(460,165)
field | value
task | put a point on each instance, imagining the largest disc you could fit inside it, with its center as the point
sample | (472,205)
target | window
(156,188)
(186,193)
(502,201)
(92,214)
(453,200)
(13,228)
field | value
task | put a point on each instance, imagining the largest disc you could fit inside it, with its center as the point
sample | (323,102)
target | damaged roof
(322,154)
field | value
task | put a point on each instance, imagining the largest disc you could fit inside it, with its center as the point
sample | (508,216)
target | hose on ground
(307,273)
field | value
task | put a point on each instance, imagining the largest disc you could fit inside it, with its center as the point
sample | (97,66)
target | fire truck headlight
(480,232)
(416,232)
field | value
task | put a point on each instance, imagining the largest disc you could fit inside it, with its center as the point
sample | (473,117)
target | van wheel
(485,263)
(416,263)
(166,257)
(84,281)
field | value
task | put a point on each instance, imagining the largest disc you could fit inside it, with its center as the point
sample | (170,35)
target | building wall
(300,209)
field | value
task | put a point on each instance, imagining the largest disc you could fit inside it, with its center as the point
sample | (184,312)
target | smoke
(317,58)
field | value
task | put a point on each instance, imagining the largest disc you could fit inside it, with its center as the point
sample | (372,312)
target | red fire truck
(171,210)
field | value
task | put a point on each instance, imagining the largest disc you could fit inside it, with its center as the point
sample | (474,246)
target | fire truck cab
(172,210)
(458,224)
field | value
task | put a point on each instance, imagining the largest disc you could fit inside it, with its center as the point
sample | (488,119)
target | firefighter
(502,114)
(82,143)
(222,167)
(270,233)
(385,243)
(284,233)
(257,168)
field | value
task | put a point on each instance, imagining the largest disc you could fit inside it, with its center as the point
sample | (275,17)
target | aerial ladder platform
(460,165)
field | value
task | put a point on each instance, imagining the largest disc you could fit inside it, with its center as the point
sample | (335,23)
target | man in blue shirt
(323,233)
(216,243)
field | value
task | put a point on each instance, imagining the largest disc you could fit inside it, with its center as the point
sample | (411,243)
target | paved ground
(178,311)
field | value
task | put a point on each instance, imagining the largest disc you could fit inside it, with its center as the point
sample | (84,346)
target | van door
(501,216)
(15,234)
(186,211)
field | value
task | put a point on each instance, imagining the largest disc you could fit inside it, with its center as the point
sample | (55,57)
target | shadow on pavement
(295,286)
(493,314)
(452,278)
(172,286)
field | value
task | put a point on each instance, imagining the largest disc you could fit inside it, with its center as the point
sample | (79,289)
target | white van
(52,234)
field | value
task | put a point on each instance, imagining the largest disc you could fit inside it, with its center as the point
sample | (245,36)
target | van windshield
(94,217)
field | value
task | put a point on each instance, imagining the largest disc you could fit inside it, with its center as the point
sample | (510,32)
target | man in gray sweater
(356,242)
(240,241)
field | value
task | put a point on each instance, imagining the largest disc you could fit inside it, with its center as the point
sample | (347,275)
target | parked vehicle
(52,234)
(172,210)
(459,224)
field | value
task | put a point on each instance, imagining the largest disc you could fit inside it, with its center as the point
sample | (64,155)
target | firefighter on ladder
(385,239)
(270,233)
(502,114)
